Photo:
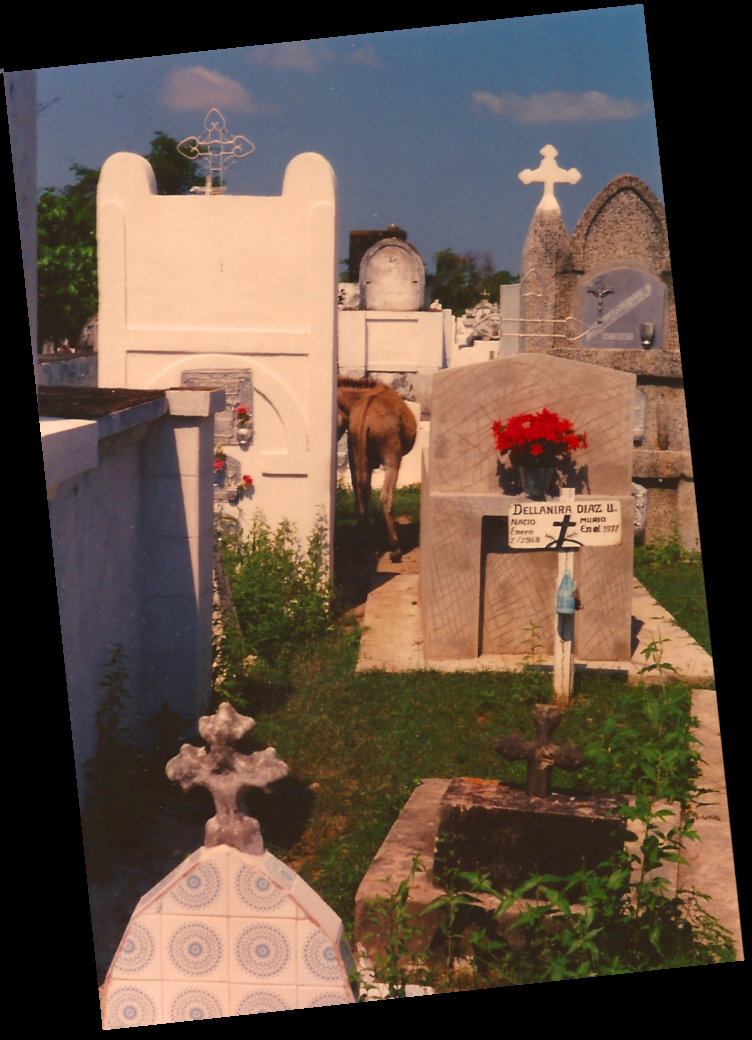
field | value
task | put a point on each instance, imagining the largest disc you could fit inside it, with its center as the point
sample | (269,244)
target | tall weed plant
(282,595)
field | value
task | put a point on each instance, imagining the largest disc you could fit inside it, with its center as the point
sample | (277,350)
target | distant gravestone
(619,273)
(392,277)
(479,593)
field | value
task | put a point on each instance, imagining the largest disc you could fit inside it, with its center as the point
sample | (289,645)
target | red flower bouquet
(538,440)
(242,416)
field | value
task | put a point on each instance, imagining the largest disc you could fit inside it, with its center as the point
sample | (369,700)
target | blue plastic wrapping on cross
(565,595)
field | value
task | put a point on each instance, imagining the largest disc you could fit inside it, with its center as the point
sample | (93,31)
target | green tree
(175,175)
(67,239)
(67,256)
(460,279)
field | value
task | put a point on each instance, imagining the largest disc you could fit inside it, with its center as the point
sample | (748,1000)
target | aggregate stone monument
(606,296)
(237,292)
(479,593)
(232,931)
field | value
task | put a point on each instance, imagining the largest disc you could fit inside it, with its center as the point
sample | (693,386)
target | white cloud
(558,107)
(198,89)
(365,56)
(298,54)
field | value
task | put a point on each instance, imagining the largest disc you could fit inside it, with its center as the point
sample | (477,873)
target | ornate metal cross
(227,773)
(548,174)
(541,754)
(600,289)
(217,149)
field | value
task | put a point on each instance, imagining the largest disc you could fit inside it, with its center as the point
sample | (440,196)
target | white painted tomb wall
(130,506)
(391,341)
(230,283)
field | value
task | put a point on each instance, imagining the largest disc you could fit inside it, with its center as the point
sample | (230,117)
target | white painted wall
(391,341)
(221,282)
(132,537)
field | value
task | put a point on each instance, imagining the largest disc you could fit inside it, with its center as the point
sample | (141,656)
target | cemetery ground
(359,744)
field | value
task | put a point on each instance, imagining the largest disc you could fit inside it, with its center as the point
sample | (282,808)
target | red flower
(543,436)
(248,480)
(241,410)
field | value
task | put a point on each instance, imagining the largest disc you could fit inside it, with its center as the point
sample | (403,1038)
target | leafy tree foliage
(175,175)
(461,278)
(67,256)
(67,239)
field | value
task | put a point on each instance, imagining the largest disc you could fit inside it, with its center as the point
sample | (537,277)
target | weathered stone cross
(548,174)
(227,773)
(541,754)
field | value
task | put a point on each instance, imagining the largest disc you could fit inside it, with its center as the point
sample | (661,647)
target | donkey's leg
(391,472)
(360,473)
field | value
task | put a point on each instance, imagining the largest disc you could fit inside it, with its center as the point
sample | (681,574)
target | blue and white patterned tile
(262,951)
(277,870)
(165,883)
(316,909)
(195,948)
(316,996)
(202,890)
(254,894)
(155,907)
(134,1004)
(319,960)
(139,955)
(252,1000)
(195,1001)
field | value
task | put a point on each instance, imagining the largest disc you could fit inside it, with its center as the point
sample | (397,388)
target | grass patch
(674,578)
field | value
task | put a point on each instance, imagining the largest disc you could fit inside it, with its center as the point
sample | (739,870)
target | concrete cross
(548,174)
(227,773)
(541,754)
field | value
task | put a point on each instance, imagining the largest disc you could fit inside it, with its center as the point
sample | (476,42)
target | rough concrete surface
(393,636)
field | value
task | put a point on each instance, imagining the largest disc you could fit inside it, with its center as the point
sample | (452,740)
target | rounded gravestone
(392,277)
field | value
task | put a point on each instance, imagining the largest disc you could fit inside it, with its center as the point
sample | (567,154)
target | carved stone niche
(392,277)
(237,384)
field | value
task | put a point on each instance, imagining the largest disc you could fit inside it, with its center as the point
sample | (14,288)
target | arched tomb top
(392,277)
(625,221)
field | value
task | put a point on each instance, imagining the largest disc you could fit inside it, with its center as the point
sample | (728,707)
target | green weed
(283,600)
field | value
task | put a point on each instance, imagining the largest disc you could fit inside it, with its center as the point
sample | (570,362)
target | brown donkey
(381,429)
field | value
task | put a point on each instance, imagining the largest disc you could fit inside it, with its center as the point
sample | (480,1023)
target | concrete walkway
(392,640)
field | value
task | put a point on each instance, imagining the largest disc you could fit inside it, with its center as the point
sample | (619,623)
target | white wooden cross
(548,174)
(564,636)
(564,525)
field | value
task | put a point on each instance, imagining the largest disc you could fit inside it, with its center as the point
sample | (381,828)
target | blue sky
(427,128)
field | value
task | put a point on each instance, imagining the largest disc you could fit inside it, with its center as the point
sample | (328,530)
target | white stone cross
(548,174)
